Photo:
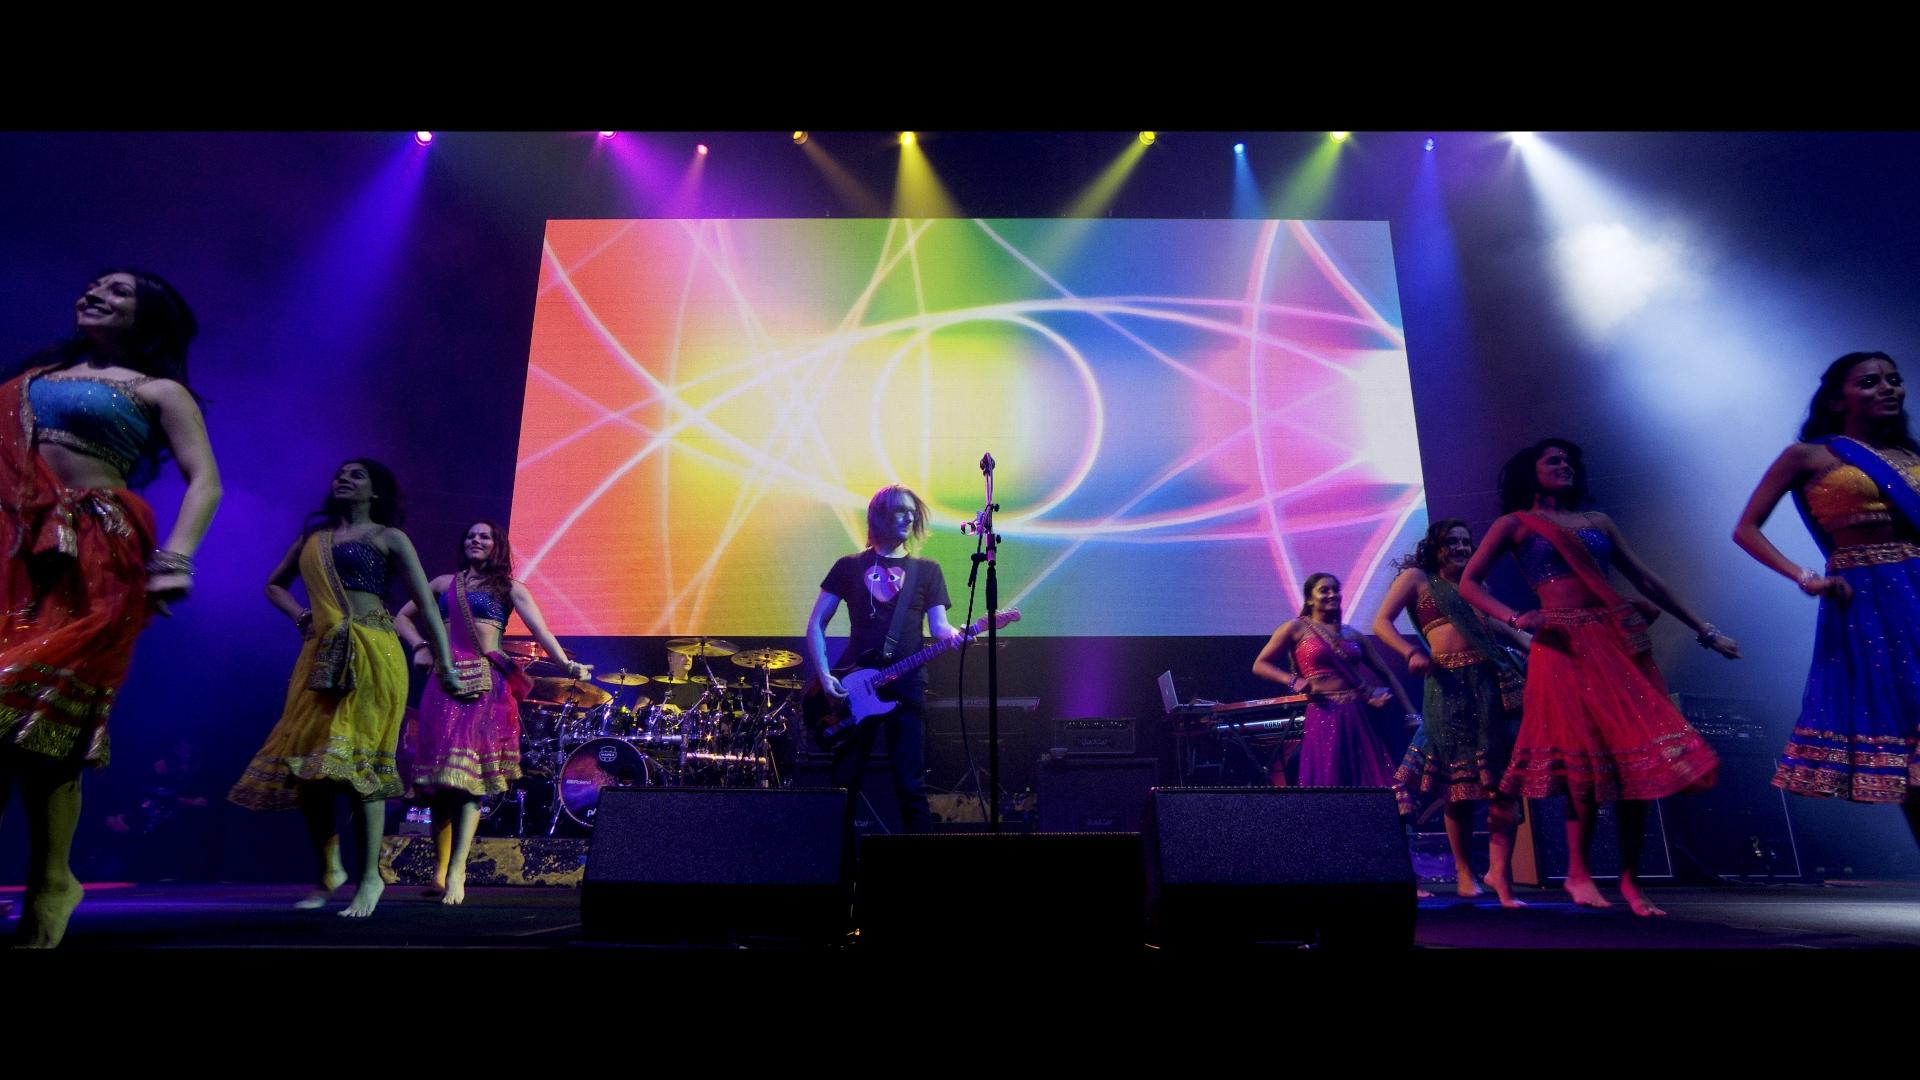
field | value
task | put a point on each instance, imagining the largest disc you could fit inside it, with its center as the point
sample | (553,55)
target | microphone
(984,519)
(979,522)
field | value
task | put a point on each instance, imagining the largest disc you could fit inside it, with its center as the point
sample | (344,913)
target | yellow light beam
(1099,195)
(917,191)
(855,194)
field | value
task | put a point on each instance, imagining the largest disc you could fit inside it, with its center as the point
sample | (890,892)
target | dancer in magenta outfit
(1326,658)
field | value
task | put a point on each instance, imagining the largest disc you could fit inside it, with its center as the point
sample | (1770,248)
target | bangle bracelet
(1807,577)
(423,645)
(305,617)
(1707,636)
(1513,620)
(161,561)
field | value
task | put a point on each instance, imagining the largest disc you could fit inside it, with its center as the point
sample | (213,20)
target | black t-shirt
(869,586)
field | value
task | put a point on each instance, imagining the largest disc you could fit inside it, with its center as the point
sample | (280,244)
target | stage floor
(240,917)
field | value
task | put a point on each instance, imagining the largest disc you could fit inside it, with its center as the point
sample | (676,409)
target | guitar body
(833,721)
(873,690)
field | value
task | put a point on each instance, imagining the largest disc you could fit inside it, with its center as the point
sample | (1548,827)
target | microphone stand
(982,524)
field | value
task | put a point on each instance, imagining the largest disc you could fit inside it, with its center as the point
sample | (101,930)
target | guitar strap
(902,605)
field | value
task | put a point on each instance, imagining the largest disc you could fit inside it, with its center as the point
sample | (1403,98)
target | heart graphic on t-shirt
(884,582)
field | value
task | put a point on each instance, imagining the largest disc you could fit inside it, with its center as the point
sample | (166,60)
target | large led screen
(1189,417)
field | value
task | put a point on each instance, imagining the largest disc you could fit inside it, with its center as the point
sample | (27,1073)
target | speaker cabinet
(715,864)
(1230,868)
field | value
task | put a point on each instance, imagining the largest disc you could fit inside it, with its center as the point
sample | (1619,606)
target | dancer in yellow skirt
(341,724)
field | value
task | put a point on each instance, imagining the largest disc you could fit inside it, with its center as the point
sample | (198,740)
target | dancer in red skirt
(91,418)
(1597,724)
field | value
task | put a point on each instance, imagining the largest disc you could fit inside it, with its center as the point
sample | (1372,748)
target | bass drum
(600,764)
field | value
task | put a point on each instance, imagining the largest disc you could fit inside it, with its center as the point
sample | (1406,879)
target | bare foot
(335,877)
(1466,886)
(1586,893)
(456,893)
(1503,889)
(1637,900)
(365,898)
(44,914)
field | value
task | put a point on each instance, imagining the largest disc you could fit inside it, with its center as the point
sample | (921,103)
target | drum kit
(578,739)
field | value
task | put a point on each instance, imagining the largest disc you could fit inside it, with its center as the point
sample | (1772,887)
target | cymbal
(786,684)
(524,650)
(622,678)
(670,679)
(768,659)
(700,646)
(568,692)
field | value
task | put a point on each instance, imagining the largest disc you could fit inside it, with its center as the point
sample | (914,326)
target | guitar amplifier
(1095,735)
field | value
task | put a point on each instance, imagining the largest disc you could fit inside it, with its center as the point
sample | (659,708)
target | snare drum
(598,764)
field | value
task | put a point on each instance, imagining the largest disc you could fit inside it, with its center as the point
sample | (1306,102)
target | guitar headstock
(1001,620)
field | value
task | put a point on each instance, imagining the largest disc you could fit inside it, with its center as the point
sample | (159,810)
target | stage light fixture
(799,138)
(423,137)
(1520,138)
(606,134)
(1339,136)
(907,139)
(1239,148)
(701,149)
(1429,144)
(1147,137)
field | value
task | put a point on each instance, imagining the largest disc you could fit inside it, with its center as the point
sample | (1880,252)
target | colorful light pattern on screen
(1189,416)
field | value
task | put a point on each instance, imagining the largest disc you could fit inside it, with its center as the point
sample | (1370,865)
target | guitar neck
(909,663)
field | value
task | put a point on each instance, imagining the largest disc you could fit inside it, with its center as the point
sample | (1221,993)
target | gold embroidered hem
(273,783)
(465,771)
(53,712)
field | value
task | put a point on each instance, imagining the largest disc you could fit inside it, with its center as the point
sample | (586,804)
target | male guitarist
(885,627)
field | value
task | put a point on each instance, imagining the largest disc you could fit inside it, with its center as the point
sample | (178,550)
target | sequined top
(362,567)
(1313,657)
(1426,612)
(1843,496)
(98,417)
(487,605)
(1541,563)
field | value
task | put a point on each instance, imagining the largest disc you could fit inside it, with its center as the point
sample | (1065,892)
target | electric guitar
(833,721)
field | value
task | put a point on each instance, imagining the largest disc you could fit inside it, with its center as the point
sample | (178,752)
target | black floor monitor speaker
(1230,868)
(978,893)
(714,865)
(1093,794)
